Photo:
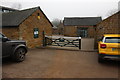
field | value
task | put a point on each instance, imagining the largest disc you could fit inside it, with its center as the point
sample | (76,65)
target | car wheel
(19,55)
(100,58)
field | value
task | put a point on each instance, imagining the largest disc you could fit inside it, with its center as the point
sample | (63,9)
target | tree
(56,22)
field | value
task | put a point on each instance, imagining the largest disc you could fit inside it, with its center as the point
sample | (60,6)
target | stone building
(81,26)
(110,25)
(55,30)
(30,25)
(59,30)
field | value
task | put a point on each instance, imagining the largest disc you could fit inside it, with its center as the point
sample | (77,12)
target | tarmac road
(53,63)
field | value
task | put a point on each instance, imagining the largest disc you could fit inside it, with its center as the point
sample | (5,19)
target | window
(82,32)
(1,35)
(36,32)
(112,39)
(5,10)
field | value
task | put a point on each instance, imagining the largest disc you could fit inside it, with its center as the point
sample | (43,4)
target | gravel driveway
(53,63)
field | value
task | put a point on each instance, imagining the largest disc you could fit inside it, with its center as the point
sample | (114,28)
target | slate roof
(81,21)
(6,8)
(14,19)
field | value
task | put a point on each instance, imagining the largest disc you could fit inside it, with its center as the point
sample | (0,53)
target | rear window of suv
(112,39)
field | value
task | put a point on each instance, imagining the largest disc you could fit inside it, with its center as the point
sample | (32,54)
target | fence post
(79,43)
(43,38)
(45,41)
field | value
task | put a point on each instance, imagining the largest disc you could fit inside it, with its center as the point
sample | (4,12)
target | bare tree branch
(56,22)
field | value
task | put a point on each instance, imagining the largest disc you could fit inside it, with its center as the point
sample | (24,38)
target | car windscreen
(112,39)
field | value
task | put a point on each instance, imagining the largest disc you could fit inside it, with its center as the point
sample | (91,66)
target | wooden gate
(63,41)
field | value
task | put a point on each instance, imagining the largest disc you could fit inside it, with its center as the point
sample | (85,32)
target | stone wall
(91,32)
(109,25)
(72,31)
(11,33)
(27,28)
(55,31)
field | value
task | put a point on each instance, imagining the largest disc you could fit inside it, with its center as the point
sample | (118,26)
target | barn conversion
(30,25)
(81,26)
(110,25)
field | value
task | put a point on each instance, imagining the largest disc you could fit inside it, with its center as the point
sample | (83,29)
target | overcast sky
(67,8)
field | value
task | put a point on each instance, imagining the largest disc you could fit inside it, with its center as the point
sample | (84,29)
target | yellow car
(109,47)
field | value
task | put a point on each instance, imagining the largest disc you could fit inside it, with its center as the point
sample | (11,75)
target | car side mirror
(4,39)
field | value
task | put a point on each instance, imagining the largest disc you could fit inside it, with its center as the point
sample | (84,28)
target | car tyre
(100,58)
(19,55)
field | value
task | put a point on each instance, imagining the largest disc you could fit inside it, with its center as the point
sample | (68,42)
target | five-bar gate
(63,41)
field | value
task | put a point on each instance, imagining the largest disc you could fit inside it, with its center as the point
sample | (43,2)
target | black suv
(13,48)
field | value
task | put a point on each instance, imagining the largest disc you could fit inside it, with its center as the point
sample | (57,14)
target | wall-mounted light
(38,15)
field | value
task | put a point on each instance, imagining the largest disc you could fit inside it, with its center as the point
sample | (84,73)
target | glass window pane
(36,32)
(112,40)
